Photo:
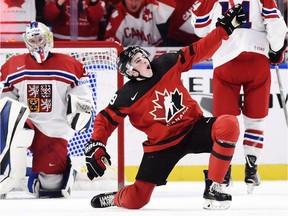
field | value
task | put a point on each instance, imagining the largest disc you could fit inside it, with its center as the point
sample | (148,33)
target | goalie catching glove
(96,159)
(79,112)
(232,19)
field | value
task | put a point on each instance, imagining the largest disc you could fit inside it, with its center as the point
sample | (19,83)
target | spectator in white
(55,88)
(134,22)
(245,64)
(90,13)
(180,27)
(15,15)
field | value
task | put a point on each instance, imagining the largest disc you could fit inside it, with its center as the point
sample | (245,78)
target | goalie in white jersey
(244,61)
(54,89)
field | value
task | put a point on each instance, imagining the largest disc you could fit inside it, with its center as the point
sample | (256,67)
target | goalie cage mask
(39,40)
(124,59)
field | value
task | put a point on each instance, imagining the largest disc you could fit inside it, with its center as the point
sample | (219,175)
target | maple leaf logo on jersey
(14,3)
(196,5)
(167,105)
(147,15)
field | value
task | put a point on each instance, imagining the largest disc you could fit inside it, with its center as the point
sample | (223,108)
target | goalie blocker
(15,139)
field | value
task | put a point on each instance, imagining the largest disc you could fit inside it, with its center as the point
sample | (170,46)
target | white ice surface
(175,199)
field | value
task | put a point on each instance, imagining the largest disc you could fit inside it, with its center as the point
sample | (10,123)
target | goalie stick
(281,94)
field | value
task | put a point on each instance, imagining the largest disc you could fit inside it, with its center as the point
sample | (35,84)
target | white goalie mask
(39,40)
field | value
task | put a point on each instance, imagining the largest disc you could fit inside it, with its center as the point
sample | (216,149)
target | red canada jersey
(139,28)
(160,106)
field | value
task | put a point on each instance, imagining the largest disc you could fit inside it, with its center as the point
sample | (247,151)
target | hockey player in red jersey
(159,105)
(55,88)
(243,61)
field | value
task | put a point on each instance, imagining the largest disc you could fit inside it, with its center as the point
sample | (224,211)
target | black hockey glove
(96,159)
(277,57)
(232,19)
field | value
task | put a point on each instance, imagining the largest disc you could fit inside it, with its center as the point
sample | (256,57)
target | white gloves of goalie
(79,112)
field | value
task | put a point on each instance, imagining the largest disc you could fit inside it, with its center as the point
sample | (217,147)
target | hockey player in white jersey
(244,61)
(45,99)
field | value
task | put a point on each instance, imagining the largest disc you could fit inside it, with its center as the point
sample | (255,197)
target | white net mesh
(100,64)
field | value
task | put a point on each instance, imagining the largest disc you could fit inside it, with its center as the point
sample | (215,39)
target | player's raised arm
(206,47)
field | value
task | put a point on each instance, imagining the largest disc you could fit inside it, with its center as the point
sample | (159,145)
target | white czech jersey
(44,88)
(265,27)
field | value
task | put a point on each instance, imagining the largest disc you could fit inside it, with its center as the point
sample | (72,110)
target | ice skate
(214,198)
(103,200)
(252,177)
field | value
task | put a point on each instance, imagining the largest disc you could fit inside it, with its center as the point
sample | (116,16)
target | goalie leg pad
(13,115)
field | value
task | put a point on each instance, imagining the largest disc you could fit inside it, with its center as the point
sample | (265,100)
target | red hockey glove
(232,19)
(277,57)
(96,158)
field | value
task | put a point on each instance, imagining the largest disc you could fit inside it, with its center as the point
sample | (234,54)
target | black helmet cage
(124,59)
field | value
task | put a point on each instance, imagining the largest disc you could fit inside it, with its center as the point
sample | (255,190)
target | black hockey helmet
(124,59)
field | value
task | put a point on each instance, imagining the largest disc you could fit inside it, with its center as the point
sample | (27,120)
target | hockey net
(99,58)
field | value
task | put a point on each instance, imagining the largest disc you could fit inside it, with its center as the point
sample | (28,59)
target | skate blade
(251,187)
(216,205)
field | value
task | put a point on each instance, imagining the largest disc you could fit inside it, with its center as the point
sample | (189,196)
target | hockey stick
(281,94)
(108,166)
(1,87)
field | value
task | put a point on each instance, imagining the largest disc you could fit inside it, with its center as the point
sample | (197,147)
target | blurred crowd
(130,22)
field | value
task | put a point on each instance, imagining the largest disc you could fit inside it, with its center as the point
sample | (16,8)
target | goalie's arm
(8,92)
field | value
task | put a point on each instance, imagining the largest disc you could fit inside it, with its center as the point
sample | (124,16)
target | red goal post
(96,56)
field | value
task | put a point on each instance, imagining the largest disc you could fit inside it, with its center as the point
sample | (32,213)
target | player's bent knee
(226,128)
(141,202)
